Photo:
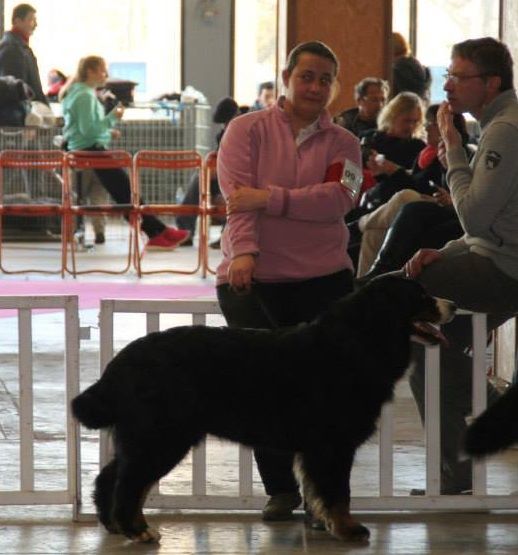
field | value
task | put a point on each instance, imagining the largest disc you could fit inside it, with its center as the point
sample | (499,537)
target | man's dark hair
(313,47)
(225,110)
(491,56)
(361,88)
(265,85)
(21,11)
(458,120)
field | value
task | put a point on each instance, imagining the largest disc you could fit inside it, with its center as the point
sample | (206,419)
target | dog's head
(409,298)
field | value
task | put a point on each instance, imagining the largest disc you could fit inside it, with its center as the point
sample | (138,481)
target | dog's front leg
(343,526)
(324,477)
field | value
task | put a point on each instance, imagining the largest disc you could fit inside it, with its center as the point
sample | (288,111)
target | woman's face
(309,85)
(405,124)
(98,75)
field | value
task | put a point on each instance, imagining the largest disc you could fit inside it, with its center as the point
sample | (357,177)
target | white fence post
(27,494)
(479,392)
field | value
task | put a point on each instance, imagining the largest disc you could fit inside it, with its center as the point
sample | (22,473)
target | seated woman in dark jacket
(389,153)
(400,123)
(419,224)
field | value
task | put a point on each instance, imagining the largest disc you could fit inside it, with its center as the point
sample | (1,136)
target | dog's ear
(392,294)
(362,308)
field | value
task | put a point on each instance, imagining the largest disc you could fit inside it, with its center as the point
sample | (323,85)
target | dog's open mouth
(428,334)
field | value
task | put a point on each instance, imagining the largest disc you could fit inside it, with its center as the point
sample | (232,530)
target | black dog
(316,390)
(496,428)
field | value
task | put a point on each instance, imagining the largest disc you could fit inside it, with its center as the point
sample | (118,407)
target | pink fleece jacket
(301,234)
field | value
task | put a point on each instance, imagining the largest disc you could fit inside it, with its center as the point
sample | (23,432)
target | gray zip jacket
(485,192)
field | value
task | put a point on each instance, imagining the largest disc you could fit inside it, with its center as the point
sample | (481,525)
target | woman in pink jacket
(289,175)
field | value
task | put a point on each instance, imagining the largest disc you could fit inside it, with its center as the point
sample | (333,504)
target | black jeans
(192,196)
(117,183)
(272,305)
(426,225)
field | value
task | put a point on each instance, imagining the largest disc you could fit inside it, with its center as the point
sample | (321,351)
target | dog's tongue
(428,330)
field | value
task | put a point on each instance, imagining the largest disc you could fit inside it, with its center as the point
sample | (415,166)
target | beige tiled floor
(233,534)
(31,530)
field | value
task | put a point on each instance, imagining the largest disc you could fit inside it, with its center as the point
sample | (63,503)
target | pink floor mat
(90,293)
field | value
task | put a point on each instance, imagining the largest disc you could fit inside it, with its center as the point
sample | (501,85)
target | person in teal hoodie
(87,127)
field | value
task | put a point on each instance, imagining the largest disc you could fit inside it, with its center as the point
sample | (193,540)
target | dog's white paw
(149,535)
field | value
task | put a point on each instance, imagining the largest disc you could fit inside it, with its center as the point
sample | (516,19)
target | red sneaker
(177,235)
(169,239)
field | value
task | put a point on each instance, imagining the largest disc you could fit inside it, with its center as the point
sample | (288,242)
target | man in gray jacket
(18,61)
(480,270)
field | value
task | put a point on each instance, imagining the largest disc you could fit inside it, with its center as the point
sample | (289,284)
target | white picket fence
(386,500)
(28,493)
(199,498)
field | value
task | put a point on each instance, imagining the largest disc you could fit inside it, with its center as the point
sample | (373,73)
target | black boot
(394,252)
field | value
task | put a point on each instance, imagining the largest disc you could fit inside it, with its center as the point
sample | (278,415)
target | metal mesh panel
(28,138)
(166,126)
(152,126)
(165,185)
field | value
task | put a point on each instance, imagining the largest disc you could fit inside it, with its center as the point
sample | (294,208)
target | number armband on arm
(352,178)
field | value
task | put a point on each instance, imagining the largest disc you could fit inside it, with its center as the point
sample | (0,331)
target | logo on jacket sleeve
(492,159)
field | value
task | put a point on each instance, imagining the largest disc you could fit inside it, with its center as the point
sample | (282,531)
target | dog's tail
(496,428)
(93,408)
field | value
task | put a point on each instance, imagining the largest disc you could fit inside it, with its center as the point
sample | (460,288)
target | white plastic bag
(40,115)
(191,95)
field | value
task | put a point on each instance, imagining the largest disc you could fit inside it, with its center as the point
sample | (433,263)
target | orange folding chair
(210,210)
(111,159)
(172,170)
(39,174)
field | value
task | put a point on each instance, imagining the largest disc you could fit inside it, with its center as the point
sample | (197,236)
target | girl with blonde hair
(87,127)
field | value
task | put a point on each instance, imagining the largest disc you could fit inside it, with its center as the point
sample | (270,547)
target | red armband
(334,172)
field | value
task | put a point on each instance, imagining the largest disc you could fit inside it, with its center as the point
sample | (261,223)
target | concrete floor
(31,530)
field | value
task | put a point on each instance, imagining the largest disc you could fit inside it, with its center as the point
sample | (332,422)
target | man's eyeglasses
(454,78)
(374,99)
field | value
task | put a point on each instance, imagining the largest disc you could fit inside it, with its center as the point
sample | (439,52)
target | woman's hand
(240,273)
(421,258)
(119,111)
(449,133)
(442,197)
(115,133)
(247,199)
(380,166)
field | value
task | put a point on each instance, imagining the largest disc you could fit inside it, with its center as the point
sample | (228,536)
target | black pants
(117,183)
(192,196)
(272,305)
(426,225)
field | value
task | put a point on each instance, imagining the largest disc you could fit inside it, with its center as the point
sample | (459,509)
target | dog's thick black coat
(496,428)
(315,389)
